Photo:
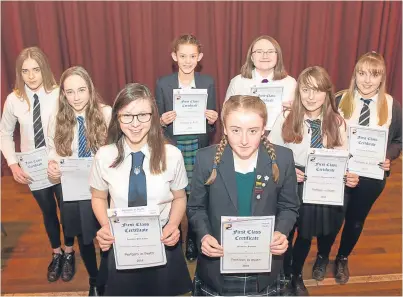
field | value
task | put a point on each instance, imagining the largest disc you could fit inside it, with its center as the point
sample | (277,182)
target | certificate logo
(228,226)
(178,97)
(62,161)
(354,131)
(312,159)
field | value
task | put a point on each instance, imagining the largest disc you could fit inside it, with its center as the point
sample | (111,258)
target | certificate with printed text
(190,106)
(246,243)
(272,96)
(137,232)
(367,147)
(75,178)
(325,170)
(35,164)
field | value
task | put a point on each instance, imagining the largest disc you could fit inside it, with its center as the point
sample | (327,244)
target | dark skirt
(171,279)
(318,220)
(78,219)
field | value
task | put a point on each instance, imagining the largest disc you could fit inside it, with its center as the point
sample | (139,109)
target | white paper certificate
(35,164)
(75,178)
(190,106)
(246,243)
(272,97)
(367,147)
(325,170)
(137,232)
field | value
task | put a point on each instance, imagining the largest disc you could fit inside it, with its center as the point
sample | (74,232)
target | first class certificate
(325,170)
(367,147)
(190,106)
(272,96)
(75,178)
(246,243)
(137,232)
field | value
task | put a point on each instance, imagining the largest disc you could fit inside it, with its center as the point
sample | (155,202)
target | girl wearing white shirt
(32,102)
(367,103)
(78,130)
(264,64)
(312,122)
(136,142)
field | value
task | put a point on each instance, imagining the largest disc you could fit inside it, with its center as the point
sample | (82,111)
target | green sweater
(244,184)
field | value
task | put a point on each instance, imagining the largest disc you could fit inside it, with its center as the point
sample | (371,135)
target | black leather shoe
(319,268)
(96,291)
(299,286)
(341,270)
(191,250)
(69,266)
(55,267)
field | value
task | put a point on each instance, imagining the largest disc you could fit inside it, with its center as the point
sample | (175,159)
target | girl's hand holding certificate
(279,244)
(170,235)
(19,175)
(385,165)
(351,180)
(105,238)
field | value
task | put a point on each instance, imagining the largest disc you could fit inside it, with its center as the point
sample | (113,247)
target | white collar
(358,96)
(30,93)
(257,77)
(251,167)
(127,150)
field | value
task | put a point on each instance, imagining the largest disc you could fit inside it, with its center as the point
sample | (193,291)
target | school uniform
(172,278)
(369,189)
(225,197)
(33,121)
(240,85)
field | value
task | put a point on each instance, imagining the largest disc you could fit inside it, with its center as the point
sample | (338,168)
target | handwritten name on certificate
(272,96)
(137,232)
(367,147)
(246,243)
(190,106)
(35,164)
(325,170)
(75,178)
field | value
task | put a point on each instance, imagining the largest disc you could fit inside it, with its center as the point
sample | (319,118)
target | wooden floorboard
(375,264)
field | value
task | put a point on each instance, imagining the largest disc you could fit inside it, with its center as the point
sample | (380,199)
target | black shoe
(299,286)
(69,266)
(55,267)
(341,270)
(96,291)
(286,288)
(191,250)
(319,268)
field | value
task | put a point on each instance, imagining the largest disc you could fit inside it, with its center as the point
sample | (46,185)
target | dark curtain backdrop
(122,42)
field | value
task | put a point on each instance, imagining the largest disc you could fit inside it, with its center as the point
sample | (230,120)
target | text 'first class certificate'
(246,243)
(190,106)
(272,96)
(35,164)
(137,232)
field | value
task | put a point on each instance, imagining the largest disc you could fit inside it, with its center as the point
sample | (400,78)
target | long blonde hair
(376,66)
(39,56)
(249,103)
(96,128)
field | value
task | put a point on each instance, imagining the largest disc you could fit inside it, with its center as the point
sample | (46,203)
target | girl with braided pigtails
(244,175)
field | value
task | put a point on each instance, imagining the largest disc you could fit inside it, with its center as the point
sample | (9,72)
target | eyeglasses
(262,52)
(141,117)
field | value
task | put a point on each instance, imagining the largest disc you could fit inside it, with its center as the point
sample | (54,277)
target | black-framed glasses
(262,52)
(141,117)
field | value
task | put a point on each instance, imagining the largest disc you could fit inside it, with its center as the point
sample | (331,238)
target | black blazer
(164,98)
(207,204)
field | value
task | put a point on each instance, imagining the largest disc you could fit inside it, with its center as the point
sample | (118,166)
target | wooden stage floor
(375,265)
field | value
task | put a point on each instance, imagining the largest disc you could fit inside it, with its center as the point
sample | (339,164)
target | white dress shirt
(242,86)
(116,180)
(16,109)
(52,154)
(300,150)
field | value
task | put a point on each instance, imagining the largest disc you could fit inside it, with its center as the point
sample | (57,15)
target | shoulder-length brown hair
(66,121)
(376,66)
(39,56)
(279,70)
(155,139)
(292,131)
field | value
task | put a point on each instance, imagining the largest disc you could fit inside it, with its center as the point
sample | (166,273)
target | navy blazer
(207,204)
(164,98)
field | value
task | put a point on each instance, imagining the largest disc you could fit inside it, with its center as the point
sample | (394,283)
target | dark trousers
(47,203)
(362,198)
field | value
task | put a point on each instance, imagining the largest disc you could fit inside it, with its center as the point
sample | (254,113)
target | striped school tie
(137,182)
(316,136)
(38,129)
(365,113)
(82,140)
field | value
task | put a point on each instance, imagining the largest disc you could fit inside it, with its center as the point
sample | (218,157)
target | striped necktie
(137,182)
(316,136)
(82,140)
(365,113)
(38,129)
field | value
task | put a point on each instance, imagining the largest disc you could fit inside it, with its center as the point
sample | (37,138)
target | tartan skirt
(189,149)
